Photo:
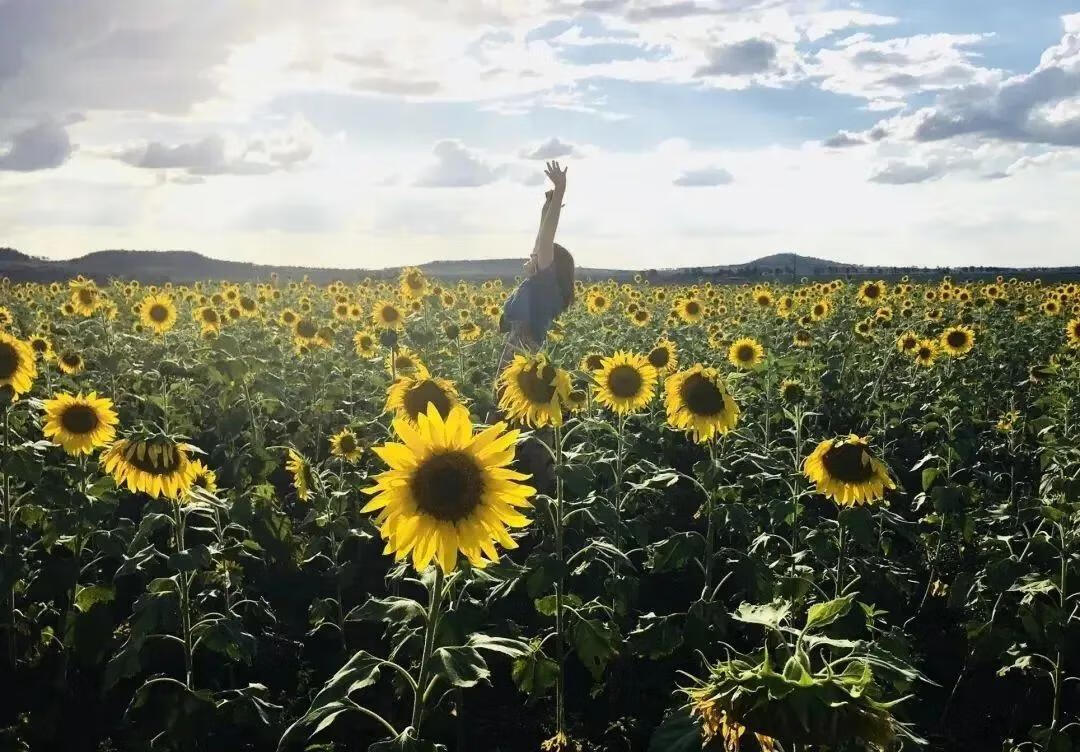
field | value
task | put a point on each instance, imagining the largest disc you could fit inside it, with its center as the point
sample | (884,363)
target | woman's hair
(564,272)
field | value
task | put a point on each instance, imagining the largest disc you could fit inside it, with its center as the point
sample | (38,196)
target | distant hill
(188,266)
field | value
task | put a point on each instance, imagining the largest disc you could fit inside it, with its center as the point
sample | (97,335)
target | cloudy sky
(371,133)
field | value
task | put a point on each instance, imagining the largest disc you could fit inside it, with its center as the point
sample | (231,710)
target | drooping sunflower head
(71,362)
(697,400)
(907,342)
(792,391)
(533,391)
(345,445)
(402,361)
(158,466)
(957,340)
(664,356)
(746,353)
(386,315)
(17,364)
(448,491)
(409,397)
(591,362)
(802,338)
(79,424)
(846,472)
(158,312)
(577,400)
(625,382)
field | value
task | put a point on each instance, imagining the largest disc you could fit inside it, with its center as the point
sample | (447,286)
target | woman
(548,287)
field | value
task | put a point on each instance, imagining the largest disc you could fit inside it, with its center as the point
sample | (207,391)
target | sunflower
(593,361)
(792,391)
(79,424)
(158,312)
(802,338)
(17,365)
(640,317)
(625,382)
(365,344)
(1007,422)
(907,342)
(404,362)
(71,363)
(42,347)
(533,391)
(690,310)
(302,475)
(697,400)
(385,315)
(864,328)
(414,284)
(85,298)
(208,319)
(205,478)
(305,330)
(1073,332)
(871,293)
(746,353)
(157,466)
(288,317)
(577,400)
(820,310)
(957,340)
(664,356)
(597,301)
(344,444)
(448,491)
(846,472)
(410,397)
(925,352)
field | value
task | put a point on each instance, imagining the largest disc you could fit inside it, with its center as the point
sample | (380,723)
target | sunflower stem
(183,586)
(709,532)
(433,612)
(840,561)
(560,587)
(9,540)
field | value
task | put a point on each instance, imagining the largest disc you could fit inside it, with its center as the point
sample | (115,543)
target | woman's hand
(557,175)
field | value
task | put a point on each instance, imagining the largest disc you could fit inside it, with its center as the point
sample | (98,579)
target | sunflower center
(71,359)
(86,297)
(693,308)
(659,357)
(745,353)
(366,342)
(536,386)
(956,339)
(210,316)
(159,313)
(247,304)
(594,362)
(157,459)
(427,392)
(9,360)
(849,463)
(448,486)
(307,329)
(39,345)
(925,353)
(872,291)
(389,313)
(624,381)
(347,444)
(701,396)
(80,419)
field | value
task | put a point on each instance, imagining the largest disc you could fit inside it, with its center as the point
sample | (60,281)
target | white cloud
(42,146)
(704,177)
(457,167)
(553,148)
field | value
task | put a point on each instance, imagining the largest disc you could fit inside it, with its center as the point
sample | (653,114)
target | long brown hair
(564,272)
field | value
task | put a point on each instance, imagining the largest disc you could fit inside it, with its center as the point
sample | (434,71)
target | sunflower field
(288,516)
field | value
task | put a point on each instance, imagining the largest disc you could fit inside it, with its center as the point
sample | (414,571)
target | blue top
(535,303)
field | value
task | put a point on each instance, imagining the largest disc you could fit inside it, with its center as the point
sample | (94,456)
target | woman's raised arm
(544,249)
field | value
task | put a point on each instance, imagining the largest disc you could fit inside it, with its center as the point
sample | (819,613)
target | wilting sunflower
(410,397)
(957,340)
(158,312)
(79,424)
(533,391)
(690,310)
(344,444)
(1073,332)
(792,391)
(71,363)
(17,365)
(907,342)
(158,466)
(925,352)
(302,475)
(746,353)
(697,400)
(448,491)
(664,357)
(205,478)
(802,338)
(625,382)
(871,293)
(386,315)
(404,362)
(577,400)
(846,472)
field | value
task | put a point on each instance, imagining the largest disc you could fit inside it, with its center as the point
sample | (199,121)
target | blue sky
(368,134)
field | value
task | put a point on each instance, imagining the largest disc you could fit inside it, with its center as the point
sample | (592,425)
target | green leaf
(396,610)
(674,553)
(362,670)
(766,614)
(546,605)
(822,614)
(657,636)
(535,673)
(461,666)
(87,597)
(594,641)
(679,732)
